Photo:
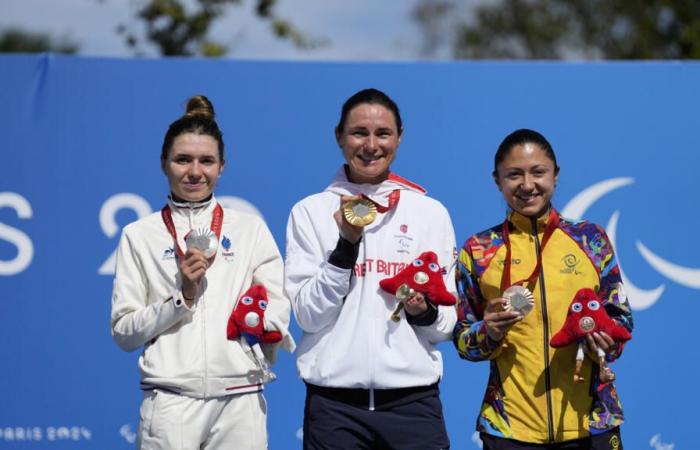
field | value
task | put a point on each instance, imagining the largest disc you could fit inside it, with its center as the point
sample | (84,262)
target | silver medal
(204,240)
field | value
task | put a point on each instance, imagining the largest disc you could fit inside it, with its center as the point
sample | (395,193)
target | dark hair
(198,119)
(371,96)
(521,137)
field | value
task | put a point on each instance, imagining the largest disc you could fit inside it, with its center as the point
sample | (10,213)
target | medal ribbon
(394,198)
(217,221)
(552,223)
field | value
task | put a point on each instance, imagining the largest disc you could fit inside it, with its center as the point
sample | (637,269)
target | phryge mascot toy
(423,275)
(586,315)
(247,322)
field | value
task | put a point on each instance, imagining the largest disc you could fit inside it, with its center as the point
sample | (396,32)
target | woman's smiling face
(527,178)
(369,140)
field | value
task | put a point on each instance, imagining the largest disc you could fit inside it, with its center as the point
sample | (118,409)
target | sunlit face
(369,141)
(193,166)
(527,177)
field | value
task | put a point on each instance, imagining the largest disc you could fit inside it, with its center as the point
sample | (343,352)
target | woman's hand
(498,321)
(598,340)
(193,266)
(415,305)
(348,231)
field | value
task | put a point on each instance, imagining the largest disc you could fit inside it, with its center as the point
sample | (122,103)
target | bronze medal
(518,298)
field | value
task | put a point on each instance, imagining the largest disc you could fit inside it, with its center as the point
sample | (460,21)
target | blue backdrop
(80,156)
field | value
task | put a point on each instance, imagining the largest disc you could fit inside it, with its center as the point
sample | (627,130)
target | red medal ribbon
(217,221)
(394,198)
(552,224)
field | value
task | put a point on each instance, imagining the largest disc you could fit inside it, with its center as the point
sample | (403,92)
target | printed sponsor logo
(570,262)
(169,253)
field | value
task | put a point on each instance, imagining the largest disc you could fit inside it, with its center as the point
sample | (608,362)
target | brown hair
(198,119)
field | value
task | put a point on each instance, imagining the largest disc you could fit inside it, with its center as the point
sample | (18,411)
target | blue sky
(367,30)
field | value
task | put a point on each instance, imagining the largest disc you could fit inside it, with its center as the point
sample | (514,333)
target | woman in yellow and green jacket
(531,400)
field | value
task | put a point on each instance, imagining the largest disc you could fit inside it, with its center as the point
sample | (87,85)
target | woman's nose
(195,169)
(528,183)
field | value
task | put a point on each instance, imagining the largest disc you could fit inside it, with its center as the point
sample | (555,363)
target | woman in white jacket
(371,382)
(201,390)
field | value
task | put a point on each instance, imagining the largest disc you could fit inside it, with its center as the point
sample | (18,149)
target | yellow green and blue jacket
(531,396)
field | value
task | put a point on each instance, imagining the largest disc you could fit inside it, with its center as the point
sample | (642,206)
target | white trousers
(176,422)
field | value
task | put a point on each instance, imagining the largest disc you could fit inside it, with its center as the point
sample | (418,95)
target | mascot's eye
(594,305)
(577,307)
(434,267)
(262,304)
(418,263)
(247,300)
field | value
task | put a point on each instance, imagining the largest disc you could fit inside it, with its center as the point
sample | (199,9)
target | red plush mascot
(423,275)
(246,320)
(587,315)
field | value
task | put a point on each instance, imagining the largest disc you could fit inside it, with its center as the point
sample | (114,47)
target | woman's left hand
(599,340)
(415,305)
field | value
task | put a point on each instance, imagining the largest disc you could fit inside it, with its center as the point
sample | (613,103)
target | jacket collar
(378,193)
(524,223)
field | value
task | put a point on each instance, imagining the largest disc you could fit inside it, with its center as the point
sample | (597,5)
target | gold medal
(360,212)
(404,292)
(518,298)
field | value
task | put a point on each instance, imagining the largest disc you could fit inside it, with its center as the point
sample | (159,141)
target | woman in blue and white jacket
(371,382)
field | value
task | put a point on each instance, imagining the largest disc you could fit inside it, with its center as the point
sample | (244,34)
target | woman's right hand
(348,231)
(497,320)
(193,266)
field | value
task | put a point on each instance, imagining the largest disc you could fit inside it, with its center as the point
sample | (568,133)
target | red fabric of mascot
(587,315)
(248,316)
(423,275)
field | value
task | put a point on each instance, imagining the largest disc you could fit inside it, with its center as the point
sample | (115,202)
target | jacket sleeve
(612,293)
(316,288)
(441,329)
(268,270)
(470,337)
(137,319)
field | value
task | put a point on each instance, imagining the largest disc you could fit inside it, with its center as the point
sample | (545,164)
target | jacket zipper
(543,297)
(202,307)
(370,405)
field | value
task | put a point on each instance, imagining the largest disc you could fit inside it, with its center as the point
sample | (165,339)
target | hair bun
(200,106)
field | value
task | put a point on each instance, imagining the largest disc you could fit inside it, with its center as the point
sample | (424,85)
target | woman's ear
(494,174)
(338,135)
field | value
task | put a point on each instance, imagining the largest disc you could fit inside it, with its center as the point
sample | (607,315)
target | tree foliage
(179,27)
(15,40)
(566,29)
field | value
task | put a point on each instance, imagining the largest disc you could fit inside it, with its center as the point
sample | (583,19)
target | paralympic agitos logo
(639,298)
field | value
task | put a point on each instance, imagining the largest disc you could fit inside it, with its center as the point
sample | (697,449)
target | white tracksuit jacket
(349,339)
(186,350)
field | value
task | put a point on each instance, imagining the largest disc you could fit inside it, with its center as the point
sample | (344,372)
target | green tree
(565,29)
(15,40)
(176,29)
